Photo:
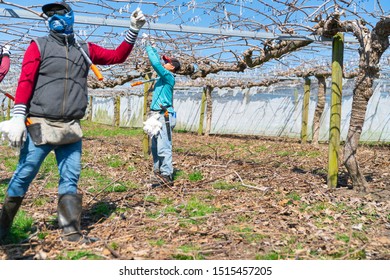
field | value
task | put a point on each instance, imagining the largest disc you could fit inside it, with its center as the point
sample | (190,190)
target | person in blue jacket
(161,108)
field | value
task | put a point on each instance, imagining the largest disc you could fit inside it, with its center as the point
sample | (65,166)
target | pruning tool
(166,118)
(143,82)
(28,120)
(89,61)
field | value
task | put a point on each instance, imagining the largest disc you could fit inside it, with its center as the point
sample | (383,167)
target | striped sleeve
(131,36)
(20,110)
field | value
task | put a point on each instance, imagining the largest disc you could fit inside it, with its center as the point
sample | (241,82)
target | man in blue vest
(52,93)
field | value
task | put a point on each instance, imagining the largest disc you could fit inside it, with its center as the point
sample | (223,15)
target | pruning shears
(143,82)
(89,61)
(166,118)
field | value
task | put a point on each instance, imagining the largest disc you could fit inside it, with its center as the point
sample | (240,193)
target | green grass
(101,209)
(150,198)
(166,201)
(244,218)
(223,185)
(114,245)
(310,154)
(284,153)
(3,189)
(293,196)
(10,162)
(153,214)
(158,242)
(170,210)
(195,176)
(259,149)
(21,228)
(40,201)
(79,255)
(49,170)
(131,168)
(114,161)
(342,237)
(269,256)
(91,129)
(196,208)
(182,257)
(177,174)
(189,211)
(42,235)
(248,234)
(360,235)
(188,252)
(96,182)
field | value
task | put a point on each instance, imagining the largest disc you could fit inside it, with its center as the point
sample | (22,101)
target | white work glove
(137,20)
(152,125)
(6,50)
(148,40)
(14,130)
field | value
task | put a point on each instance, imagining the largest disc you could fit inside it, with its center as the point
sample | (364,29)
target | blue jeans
(31,157)
(162,148)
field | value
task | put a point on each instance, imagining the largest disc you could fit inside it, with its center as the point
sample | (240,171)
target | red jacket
(4,67)
(32,60)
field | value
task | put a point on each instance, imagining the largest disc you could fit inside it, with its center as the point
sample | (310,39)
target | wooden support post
(202,109)
(117,110)
(296,98)
(9,109)
(89,109)
(335,108)
(145,139)
(305,110)
(209,109)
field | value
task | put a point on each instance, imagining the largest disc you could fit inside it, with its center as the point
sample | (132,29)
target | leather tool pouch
(54,132)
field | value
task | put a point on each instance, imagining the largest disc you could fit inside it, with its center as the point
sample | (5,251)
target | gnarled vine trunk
(372,46)
(319,109)
(363,88)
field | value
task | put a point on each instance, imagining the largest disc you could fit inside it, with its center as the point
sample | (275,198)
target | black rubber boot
(163,181)
(10,208)
(69,216)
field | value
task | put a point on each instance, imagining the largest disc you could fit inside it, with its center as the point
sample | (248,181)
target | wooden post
(117,110)
(335,108)
(202,108)
(209,110)
(145,139)
(9,109)
(305,110)
(89,109)
(296,98)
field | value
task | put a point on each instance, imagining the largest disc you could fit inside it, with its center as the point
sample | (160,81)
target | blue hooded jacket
(163,89)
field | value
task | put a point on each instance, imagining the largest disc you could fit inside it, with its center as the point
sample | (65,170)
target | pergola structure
(199,32)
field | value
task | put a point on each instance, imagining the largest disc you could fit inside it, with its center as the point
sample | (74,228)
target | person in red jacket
(52,93)
(4,61)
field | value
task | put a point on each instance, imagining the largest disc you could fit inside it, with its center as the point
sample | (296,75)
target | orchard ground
(234,198)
